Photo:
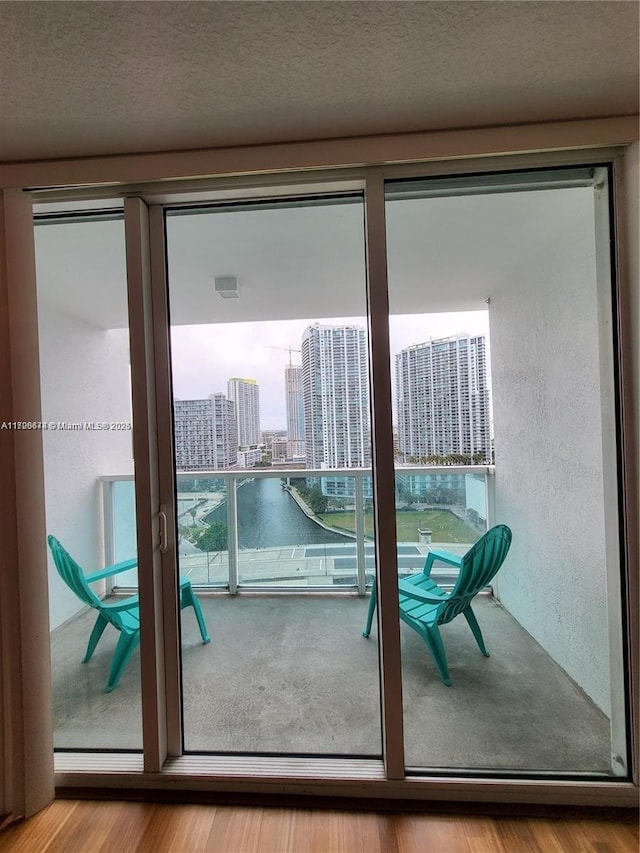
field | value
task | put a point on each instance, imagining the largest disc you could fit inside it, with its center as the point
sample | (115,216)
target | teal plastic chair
(424,606)
(123,614)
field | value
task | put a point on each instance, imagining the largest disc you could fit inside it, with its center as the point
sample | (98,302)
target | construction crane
(285,349)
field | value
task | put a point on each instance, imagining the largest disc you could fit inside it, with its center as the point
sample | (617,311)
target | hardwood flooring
(95,826)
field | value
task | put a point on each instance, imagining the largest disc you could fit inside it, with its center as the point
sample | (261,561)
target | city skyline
(204,358)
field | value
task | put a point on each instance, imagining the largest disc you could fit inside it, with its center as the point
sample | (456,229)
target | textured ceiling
(87,78)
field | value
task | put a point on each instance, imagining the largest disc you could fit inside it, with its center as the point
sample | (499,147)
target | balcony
(288,671)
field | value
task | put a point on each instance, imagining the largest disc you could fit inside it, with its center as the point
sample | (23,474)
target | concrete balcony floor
(292,674)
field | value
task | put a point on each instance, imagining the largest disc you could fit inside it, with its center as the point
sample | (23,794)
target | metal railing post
(232,533)
(361,556)
(490,496)
(107,520)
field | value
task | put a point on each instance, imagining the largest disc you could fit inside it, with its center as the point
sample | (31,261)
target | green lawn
(444,526)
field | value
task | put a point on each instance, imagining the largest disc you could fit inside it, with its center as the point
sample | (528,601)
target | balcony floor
(293,674)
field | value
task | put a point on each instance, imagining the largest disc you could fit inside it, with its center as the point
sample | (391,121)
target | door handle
(164,531)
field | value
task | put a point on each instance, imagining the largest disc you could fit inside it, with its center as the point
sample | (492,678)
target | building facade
(294,397)
(336,397)
(442,399)
(206,434)
(245,393)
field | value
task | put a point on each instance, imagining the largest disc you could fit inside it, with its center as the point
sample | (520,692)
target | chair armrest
(126,604)
(443,557)
(420,595)
(124,566)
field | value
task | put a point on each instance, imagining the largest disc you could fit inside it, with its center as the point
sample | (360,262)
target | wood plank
(92,826)
(482,834)
(176,827)
(235,830)
(518,834)
(418,833)
(39,832)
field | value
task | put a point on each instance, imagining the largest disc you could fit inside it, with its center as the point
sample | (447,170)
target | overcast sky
(205,357)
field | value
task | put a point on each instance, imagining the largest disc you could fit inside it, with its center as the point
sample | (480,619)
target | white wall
(85,377)
(549,468)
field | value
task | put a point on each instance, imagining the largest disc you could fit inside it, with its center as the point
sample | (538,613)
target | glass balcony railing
(307,529)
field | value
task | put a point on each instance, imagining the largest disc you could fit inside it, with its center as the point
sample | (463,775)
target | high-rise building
(294,398)
(206,435)
(225,431)
(245,393)
(336,397)
(442,400)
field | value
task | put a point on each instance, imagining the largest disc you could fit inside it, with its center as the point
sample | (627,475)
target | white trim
(323,777)
(292,183)
(323,154)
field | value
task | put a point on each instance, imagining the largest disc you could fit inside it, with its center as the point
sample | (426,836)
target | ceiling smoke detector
(227,286)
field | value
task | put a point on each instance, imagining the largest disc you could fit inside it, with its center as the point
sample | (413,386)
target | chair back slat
(72,574)
(479,565)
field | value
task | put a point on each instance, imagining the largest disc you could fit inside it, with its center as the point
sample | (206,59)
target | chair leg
(436,647)
(188,599)
(477,633)
(127,644)
(372,606)
(98,630)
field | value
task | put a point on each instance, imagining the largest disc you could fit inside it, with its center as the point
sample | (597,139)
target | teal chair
(123,614)
(424,606)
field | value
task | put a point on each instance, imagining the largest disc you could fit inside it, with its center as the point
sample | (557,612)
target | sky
(205,356)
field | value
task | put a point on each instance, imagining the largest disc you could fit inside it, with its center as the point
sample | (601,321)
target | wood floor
(87,826)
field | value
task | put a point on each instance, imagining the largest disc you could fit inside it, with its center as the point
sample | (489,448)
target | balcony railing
(311,529)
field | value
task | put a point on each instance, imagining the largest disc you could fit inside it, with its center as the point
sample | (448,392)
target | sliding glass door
(500,321)
(89,481)
(272,437)
(343,392)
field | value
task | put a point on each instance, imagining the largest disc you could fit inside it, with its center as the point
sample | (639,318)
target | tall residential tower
(336,397)
(246,395)
(206,435)
(294,396)
(442,400)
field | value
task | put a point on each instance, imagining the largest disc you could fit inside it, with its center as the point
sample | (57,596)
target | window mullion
(384,478)
(145,453)
(166,475)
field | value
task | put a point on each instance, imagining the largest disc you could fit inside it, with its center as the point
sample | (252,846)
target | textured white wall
(85,377)
(549,469)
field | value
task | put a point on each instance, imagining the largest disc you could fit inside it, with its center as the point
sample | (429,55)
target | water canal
(268,517)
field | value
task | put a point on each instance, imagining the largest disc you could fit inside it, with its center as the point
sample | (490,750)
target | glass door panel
(512,434)
(89,481)
(272,442)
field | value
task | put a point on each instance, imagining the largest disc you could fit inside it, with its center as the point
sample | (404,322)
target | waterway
(268,517)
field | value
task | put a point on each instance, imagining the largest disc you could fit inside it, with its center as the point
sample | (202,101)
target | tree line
(476,458)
